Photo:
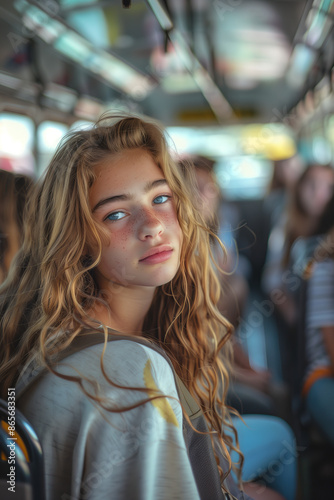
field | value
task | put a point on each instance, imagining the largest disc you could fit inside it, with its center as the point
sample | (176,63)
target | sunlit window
(48,136)
(16,143)
(81,125)
(243,155)
(243,177)
(330,135)
(321,150)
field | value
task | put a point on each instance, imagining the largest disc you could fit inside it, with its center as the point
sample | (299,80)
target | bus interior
(246,83)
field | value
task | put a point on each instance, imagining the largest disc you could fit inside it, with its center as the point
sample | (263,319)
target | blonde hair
(44,305)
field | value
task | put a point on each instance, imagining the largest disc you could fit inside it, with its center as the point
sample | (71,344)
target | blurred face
(209,193)
(316,190)
(291,169)
(131,199)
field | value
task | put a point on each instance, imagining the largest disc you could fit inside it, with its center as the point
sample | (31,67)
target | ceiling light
(66,41)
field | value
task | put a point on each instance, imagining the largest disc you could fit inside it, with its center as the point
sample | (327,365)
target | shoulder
(130,375)
(323,269)
(125,431)
(125,374)
(322,277)
(127,362)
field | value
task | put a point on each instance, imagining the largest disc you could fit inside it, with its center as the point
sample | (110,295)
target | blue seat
(316,454)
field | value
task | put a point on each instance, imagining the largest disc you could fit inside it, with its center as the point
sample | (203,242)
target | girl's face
(317,190)
(131,199)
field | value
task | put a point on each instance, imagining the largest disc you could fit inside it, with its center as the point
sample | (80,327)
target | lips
(156,251)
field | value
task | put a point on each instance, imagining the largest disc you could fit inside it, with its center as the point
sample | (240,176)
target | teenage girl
(111,307)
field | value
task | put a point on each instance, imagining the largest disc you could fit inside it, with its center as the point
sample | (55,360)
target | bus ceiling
(199,62)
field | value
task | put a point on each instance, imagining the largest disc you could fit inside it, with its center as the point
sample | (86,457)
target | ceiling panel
(182,61)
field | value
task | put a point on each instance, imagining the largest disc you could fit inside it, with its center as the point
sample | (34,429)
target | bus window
(81,125)
(16,143)
(242,177)
(243,155)
(48,136)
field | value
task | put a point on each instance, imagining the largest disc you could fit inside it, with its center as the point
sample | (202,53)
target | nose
(149,225)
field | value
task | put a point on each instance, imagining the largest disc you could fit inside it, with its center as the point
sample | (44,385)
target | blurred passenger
(286,172)
(318,387)
(14,189)
(301,218)
(222,219)
(250,388)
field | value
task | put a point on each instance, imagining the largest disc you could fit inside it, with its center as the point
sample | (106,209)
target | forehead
(203,177)
(124,172)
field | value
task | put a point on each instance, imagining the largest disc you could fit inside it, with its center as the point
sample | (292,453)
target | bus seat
(29,467)
(315,451)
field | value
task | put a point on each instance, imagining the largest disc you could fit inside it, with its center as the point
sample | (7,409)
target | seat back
(24,452)
(316,455)
(303,253)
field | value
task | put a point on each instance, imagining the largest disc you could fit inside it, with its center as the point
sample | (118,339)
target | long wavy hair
(14,189)
(45,302)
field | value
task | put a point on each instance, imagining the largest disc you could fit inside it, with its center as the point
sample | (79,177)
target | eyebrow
(121,197)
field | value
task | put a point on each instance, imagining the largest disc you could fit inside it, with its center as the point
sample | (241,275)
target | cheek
(171,222)
(114,254)
(119,236)
(175,227)
(306,197)
(328,190)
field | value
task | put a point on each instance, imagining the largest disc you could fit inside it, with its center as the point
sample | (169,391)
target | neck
(126,310)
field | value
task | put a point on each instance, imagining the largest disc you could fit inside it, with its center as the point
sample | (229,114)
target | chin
(162,279)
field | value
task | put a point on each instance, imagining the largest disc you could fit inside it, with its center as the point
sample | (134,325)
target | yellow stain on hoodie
(161,404)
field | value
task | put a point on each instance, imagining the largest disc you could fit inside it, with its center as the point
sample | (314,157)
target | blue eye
(115,216)
(161,199)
